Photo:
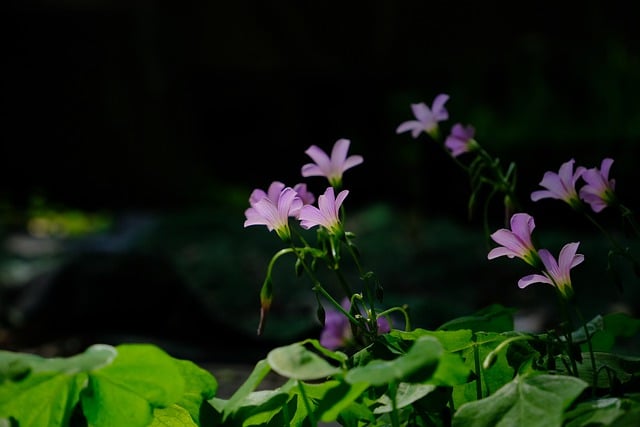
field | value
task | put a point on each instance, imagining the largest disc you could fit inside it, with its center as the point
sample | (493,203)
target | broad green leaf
(336,397)
(603,412)
(609,366)
(417,365)
(451,371)
(200,386)
(141,378)
(260,370)
(491,379)
(16,364)
(297,362)
(172,416)
(494,318)
(405,395)
(529,401)
(452,341)
(41,399)
(615,326)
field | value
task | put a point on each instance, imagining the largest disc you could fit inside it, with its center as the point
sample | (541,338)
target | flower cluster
(598,190)
(274,207)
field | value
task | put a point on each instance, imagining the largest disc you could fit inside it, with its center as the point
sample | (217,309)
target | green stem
(393,389)
(305,399)
(569,338)
(591,354)
(628,215)
(476,358)
(407,322)
(317,286)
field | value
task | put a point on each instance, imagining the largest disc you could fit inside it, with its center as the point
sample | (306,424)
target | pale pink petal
(421,111)
(410,125)
(438,111)
(542,194)
(319,156)
(311,169)
(533,278)
(352,161)
(339,151)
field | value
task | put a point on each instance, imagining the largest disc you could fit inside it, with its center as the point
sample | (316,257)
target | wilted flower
(517,241)
(599,190)
(460,140)
(331,167)
(328,213)
(561,185)
(426,119)
(337,331)
(557,273)
(275,215)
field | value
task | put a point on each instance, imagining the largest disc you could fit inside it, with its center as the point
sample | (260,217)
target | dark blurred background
(133,133)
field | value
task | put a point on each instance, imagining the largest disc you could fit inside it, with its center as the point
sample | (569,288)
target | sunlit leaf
(127,391)
(297,362)
(172,416)
(41,399)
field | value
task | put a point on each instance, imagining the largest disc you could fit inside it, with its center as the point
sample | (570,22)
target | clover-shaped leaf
(537,400)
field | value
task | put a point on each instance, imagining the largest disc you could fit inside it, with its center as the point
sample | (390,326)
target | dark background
(169,108)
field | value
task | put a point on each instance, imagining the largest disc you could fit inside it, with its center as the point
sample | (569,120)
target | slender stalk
(476,359)
(591,355)
(305,399)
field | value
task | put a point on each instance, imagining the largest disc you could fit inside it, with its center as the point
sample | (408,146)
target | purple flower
(517,241)
(460,140)
(328,214)
(426,119)
(561,185)
(557,273)
(331,167)
(599,190)
(307,197)
(275,214)
(274,191)
(337,331)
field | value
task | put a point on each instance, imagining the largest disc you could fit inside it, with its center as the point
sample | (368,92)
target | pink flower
(274,191)
(426,119)
(557,273)
(517,241)
(561,185)
(328,214)
(599,190)
(331,167)
(460,140)
(337,329)
(275,214)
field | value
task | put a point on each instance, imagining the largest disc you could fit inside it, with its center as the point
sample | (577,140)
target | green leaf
(406,395)
(126,392)
(297,362)
(172,416)
(15,364)
(41,399)
(603,412)
(46,390)
(493,378)
(417,365)
(495,318)
(334,396)
(200,386)
(608,366)
(452,341)
(527,401)
(615,327)
(260,370)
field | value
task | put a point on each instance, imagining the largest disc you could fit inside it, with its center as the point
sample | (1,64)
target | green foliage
(419,377)
(133,385)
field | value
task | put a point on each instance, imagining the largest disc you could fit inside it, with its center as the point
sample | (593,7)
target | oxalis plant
(370,367)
